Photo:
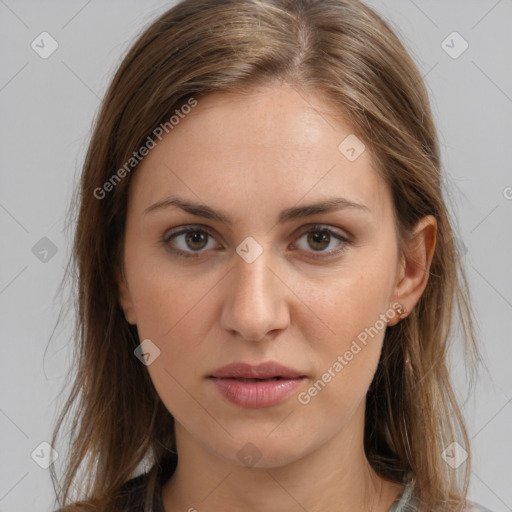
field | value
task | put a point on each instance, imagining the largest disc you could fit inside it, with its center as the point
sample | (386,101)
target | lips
(263,385)
(262,371)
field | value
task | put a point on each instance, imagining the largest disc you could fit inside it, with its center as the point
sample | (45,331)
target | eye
(190,241)
(320,238)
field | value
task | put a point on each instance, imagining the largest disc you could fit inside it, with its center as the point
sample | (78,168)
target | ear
(125,298)
(413,274)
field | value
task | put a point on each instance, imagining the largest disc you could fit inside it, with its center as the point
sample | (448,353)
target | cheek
(353,305)
(175,312)
(169,299)
(350,300)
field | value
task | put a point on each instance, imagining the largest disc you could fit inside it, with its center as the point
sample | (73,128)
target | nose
(255,304)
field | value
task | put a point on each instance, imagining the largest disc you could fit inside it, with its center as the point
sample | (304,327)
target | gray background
(47,107)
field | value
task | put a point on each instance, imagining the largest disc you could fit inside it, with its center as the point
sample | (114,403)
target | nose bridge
(254,303)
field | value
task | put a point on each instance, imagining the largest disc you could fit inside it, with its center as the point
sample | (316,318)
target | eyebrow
(295,212)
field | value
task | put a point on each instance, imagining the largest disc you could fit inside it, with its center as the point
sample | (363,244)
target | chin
(264,451)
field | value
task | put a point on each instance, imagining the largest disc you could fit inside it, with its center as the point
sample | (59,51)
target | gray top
(407,501)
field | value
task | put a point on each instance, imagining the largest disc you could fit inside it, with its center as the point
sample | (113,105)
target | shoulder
(413,506)
(475,507)
(408,501)
(132,494)
(142,492)
(129,498)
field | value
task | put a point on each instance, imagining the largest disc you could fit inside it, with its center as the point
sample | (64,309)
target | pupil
(317,237)
(196,237)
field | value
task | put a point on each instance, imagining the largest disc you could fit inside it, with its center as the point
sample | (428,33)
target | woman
(266,273)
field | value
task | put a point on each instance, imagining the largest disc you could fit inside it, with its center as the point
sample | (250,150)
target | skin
(251,157)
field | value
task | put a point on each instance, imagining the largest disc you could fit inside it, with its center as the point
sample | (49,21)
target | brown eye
(191,241)
(320,238)
(196,240)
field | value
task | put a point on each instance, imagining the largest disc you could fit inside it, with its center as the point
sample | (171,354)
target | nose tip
(254,304)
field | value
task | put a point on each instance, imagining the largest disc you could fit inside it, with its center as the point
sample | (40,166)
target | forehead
(273,145)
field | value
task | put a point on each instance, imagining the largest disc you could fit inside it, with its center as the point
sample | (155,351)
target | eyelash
(315,228)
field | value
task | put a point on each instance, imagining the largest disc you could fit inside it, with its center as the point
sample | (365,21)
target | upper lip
(265,370)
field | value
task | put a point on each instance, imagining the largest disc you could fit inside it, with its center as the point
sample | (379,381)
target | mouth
(256,393)
(269,370)
(264,385)
(244,379)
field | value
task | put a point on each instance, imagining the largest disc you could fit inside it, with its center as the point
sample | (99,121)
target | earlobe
(415,267)
(125,298)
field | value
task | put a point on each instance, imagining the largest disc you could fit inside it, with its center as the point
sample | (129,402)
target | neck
(333,477)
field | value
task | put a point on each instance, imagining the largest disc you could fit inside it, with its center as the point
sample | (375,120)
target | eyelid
(179,230)
(316,226)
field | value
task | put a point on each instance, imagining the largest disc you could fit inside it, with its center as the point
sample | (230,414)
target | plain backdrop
(47,107)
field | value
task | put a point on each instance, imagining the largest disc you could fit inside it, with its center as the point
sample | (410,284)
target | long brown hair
(345,51)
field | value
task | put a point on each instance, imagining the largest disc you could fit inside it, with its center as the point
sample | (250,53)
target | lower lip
(264,393)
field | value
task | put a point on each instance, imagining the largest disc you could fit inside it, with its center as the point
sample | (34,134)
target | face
(252,285)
